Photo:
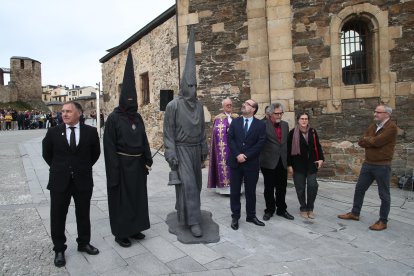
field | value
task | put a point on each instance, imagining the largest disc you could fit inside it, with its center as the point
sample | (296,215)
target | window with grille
(145,95)
(356,52)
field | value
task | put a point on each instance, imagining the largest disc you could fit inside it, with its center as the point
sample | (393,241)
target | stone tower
(26,78)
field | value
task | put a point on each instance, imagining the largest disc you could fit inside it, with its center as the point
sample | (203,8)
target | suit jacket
(251,145)
(274,150)
(65,164)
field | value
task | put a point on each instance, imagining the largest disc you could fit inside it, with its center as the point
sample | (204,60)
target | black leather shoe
(267,216)
(60,259)
(90,249)
(124,242)
(256,221)
(286,215)
(138,236)
(234,224)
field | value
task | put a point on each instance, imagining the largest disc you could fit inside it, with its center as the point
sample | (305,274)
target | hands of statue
(241,158)
(173,162)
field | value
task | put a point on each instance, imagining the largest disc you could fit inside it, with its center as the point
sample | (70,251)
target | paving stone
(198,252)
(219,264)
(162,249)
(147,264)
(106,260)
(185,264)
(78,265)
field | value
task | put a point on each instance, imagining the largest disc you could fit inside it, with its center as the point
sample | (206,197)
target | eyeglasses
(304,119)
(379,112)
(278,113)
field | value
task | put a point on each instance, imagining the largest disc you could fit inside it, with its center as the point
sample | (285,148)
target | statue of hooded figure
(185,144)
(127,161)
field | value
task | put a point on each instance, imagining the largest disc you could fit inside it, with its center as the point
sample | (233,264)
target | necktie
(72,144)
(245,127)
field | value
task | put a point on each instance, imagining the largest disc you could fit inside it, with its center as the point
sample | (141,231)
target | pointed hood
(189,82)
(128,98)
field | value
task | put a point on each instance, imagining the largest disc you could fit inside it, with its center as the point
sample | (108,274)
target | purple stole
(218,171)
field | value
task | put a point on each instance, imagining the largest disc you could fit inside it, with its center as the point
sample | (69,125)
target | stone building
(335,59)
(25,82)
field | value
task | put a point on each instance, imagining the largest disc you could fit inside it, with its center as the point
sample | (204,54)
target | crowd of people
(11,119)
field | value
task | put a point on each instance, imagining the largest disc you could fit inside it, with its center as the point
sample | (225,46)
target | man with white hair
(218,171)
(379,143)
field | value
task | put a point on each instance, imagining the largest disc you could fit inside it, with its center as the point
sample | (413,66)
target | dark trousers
(59,204)
(275,183)
(306,188)
(381,174)
(250,178)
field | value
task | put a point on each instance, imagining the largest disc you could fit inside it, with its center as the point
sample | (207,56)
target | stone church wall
(342,113)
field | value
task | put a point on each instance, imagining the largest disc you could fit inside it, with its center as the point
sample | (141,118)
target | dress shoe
(124,242)
(286,215)
(256,221)
(90,249)
(138,236)
(311,215)
(234,224)
(304,215)
(196,230)
(378,226)
(60,259)
(348,216)
(267,216)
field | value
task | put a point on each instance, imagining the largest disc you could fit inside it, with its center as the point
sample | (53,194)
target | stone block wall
(153,55)
(221,32)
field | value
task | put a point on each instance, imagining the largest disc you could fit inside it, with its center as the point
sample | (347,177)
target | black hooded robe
(126,175)
(127,153)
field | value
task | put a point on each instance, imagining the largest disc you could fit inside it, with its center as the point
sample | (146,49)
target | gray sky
(70,36)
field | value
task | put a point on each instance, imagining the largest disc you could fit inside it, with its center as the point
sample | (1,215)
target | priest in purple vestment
(218,171)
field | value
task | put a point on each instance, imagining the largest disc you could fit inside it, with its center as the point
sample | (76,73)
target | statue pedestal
(211,233)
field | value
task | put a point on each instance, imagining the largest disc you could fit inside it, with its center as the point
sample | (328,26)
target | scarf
(296,139)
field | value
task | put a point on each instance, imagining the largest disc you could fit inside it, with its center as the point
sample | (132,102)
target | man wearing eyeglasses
(379,143)
(273,163)
(246,138)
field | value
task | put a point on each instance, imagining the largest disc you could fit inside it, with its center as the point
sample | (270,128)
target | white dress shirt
(77,133)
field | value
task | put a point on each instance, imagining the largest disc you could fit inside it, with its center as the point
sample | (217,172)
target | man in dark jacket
(273,163)
(70,149)
(246,138)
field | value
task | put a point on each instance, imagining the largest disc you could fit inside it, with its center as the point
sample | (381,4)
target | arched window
(356,52)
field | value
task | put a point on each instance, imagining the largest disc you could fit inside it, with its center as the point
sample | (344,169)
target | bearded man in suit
(246,138)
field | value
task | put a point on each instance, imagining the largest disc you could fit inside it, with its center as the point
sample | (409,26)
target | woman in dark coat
(304,158)
(127,161)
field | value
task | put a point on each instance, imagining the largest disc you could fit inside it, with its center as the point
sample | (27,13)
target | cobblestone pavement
(324,246)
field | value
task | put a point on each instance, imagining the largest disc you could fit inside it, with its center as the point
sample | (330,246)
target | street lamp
(98,111)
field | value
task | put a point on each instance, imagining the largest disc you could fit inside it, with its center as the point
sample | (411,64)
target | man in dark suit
(70,149)
(246,138)
(273,163)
